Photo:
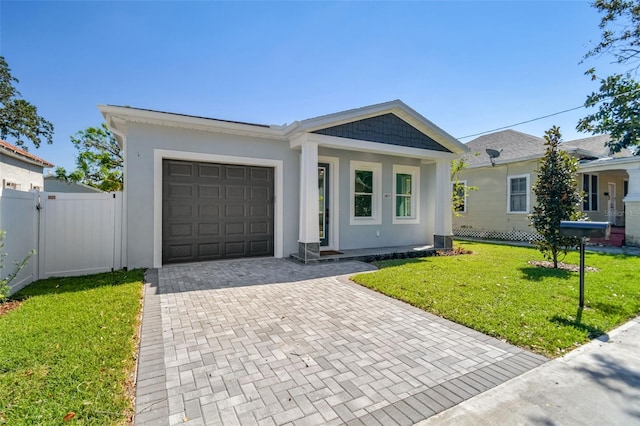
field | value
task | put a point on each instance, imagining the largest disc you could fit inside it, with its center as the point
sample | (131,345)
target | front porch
(373,254)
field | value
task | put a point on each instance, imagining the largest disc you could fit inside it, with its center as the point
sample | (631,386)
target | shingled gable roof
(517,146)
(21,154)
(511,144)
(596,144)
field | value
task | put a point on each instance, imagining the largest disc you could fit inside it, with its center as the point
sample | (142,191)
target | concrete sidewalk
(598,384)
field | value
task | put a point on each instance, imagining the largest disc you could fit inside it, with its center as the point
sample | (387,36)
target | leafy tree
(19,119)
(99,162)
(460,190)
(618,96)
(558,197)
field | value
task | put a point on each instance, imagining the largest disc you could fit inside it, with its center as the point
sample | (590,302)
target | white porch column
(309,232)
(443,229)
(632,208)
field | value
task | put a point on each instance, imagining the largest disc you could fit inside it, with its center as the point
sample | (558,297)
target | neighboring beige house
(20,169)
(500,207)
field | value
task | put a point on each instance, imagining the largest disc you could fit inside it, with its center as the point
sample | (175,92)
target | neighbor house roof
(517,146)
(596,144)
(511,144)
(21,154)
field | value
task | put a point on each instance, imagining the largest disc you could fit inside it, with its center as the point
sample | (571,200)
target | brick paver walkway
(269,341)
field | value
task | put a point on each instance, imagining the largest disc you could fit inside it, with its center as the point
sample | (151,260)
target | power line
(548,115)
(523,122)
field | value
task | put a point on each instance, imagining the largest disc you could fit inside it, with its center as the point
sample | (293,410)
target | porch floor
(377,253)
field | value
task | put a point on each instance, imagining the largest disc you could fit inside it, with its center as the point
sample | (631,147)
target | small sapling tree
(558,198)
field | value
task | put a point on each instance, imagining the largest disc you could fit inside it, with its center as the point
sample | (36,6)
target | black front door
(323,207)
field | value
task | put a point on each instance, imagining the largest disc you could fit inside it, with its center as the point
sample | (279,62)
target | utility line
(548,115)
(523,122)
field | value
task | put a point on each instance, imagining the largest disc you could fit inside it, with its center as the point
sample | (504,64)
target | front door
(323,207)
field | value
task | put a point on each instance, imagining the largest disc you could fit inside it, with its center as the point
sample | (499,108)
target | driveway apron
(269,341)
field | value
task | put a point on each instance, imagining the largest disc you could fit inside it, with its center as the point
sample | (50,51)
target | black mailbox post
(584,231)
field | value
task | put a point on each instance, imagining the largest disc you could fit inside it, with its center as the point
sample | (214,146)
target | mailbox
(583,229)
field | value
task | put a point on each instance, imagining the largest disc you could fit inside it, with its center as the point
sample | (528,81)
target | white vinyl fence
(73,234)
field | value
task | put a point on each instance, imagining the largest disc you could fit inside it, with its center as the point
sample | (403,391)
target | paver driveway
(269,341)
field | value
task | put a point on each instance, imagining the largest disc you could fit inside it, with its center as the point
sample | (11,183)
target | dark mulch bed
(564,266)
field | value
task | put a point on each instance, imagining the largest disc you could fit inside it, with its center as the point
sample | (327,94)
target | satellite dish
(493,154)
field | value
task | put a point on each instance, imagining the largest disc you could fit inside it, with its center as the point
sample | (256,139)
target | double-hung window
(406,180)
(366,185)
(518,194)
(590,189)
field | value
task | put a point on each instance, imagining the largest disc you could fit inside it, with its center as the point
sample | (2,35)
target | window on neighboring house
(11,185)
(406,194)
(518,194)
(590,192)
(458,189)
(365,193)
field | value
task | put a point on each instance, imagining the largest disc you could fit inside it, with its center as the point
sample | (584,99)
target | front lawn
(67,353)
(495,291)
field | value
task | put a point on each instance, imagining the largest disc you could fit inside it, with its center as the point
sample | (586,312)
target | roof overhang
(36,161)
(606,164)
(119,118)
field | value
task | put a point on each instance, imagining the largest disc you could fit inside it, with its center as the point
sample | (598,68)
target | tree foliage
(558,197)
(618,113)
(460,189)
(99,162)
(618,97)
(19,120)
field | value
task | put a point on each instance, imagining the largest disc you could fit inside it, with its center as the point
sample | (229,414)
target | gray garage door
(215,211)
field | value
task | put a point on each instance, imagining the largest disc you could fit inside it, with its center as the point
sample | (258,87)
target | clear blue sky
(467,66)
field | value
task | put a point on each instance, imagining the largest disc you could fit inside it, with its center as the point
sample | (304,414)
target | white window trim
(376,202)
(588,195)
(528,177)
(464,186)
(415,194)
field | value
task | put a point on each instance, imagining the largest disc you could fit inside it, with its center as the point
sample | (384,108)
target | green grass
(70,348)
(495,291)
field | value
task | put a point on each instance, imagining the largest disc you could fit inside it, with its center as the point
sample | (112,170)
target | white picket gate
(74,234)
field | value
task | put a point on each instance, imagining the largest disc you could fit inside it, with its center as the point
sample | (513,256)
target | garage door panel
(180,251)
(236,172)
(259,210)
(180,211)
(210,251)
(235,249)
(180,190)
(260,194)
(258,228)
(179,169)
(216,211)
(259,174)
(209,210)
(235,192)
(208,229)
(234,228)
(208,191)
(181,230)
(261,246)
(234,211)
(213,171)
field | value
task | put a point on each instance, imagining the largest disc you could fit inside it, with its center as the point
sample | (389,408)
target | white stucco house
(201,188)
(19,169)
